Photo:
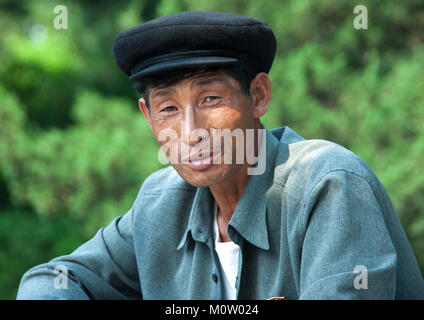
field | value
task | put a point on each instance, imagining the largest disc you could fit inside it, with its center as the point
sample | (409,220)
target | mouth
(204,162)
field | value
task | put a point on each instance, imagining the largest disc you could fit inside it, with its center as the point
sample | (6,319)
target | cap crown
(184,35)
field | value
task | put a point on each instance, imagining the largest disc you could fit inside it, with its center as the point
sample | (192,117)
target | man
(305,219)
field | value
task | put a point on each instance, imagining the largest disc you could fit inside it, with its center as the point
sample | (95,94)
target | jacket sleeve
(347,251)
(103,268)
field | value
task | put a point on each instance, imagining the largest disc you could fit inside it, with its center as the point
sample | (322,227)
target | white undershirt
(228,254)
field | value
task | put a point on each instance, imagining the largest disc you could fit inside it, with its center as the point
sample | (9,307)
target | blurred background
(74,149)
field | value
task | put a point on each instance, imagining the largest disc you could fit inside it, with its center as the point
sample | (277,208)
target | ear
(260,91)
(145,110)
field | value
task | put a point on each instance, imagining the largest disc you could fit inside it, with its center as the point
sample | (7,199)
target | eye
(168,109)
(210,99)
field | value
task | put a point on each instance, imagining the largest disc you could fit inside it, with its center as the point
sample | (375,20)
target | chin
(206,178)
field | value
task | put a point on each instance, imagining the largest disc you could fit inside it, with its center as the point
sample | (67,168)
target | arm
(345,233)
(103,268)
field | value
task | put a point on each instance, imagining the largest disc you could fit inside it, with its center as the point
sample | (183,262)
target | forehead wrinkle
(207,80)
(163,91)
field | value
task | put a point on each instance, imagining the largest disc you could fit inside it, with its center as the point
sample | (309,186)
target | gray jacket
(317,224)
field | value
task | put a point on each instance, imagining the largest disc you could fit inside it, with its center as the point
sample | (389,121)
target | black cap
(194,38)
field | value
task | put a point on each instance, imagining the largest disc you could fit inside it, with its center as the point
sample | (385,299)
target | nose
(188,125)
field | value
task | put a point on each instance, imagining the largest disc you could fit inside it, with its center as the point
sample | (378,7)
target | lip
(204,162)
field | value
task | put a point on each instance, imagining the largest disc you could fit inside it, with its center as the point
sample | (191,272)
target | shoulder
(301,164)
(322,157)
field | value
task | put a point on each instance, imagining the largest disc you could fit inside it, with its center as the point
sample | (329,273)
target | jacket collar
(249,218)
(201,215)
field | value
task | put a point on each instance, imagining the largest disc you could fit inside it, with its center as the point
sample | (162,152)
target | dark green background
(74,149)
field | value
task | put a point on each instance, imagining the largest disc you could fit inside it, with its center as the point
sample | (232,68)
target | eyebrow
(200,82)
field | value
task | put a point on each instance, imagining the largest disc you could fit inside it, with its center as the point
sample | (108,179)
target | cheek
(165,127)
(224,118)
(235,113)
(167,137)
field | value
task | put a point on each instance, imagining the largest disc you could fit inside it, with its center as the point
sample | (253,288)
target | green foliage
(27,240)
(92,170)
(74,148)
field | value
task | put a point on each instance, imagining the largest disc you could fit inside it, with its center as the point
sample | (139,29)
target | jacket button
(214,277)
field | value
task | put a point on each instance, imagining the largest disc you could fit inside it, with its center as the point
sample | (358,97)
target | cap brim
(182,63)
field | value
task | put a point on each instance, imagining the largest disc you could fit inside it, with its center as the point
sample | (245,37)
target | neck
(228,193)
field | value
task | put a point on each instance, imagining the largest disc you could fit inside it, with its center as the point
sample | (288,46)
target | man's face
(195,109)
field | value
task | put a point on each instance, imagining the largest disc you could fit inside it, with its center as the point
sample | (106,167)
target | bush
(91,171)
